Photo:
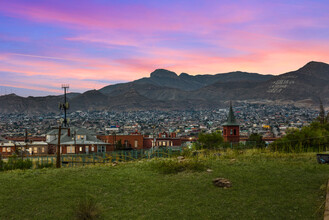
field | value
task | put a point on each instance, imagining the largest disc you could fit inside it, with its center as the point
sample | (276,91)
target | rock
(222,182)
(114,163)
(209,170)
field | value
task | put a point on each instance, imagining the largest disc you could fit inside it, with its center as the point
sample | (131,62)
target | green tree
(209,141)
(322,115)
(119,145)
(311,138)
(257,140)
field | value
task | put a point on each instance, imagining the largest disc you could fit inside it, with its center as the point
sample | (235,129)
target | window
(234,131)
(231,132)
(70,150)
(80,149)
(8,149)
(35,150)
(101,149)
(3,149)
(87,149)
(224,131)
(92,148)
(136,143)
(126,143)
(42,149)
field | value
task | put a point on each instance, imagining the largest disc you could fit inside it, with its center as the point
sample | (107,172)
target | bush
(17,163)
(209,141)
(313,138)
(87,209)
(173,166)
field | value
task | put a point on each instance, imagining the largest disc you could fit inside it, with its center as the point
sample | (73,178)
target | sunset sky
(93,43)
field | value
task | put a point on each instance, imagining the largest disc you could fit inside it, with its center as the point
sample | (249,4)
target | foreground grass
(265,186)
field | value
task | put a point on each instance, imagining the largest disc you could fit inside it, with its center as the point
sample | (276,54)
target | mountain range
(165,90)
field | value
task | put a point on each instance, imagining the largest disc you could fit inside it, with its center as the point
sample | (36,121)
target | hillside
(264,186)
(165,90)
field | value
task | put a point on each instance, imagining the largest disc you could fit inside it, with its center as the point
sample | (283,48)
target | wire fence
(76,160)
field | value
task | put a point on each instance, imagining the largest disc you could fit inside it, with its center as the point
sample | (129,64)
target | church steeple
(231,129)
(231,121)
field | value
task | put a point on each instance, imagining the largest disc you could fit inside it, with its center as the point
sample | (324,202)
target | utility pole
(154,139)
(65,106)
(26,143)
(58,161)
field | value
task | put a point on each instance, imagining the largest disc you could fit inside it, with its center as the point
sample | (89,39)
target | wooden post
(58,161)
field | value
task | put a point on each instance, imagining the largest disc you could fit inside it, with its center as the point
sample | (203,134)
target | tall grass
(87,209)
(14,163)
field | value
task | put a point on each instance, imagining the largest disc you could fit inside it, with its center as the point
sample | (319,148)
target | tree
(322,115)
(257,140)
(311,138)
(119,145)
(209,141)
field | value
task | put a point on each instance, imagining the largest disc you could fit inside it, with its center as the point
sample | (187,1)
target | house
(20,145)
(75,140)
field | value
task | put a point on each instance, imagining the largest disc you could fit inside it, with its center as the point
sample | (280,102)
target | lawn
(265,186)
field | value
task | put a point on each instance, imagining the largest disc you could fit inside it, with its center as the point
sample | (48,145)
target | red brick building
(134,141)
(231,128)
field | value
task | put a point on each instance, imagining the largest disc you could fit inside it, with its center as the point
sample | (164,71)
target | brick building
(231,128)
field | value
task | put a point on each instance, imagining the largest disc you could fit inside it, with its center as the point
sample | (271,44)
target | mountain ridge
(166,90)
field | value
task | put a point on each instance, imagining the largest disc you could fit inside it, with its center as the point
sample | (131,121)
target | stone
(222,183)
(209,170)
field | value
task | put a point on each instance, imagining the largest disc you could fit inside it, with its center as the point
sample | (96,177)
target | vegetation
(14,163)
(265,186)
(313,138)
(209,141)
(257,140)
(88,209)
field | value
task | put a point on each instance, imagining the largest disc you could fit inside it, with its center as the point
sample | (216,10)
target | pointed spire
(231,118)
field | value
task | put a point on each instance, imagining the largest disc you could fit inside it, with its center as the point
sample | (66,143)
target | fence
(74,160)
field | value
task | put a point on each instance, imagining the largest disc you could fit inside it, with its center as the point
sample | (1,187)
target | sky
(93,43)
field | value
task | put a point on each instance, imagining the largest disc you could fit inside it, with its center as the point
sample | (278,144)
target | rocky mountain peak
(163,73)
(317,69)
(184,75)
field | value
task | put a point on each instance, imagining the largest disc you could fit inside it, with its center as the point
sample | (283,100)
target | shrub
(17,163)
(313,138)
(209,141)
(87,209)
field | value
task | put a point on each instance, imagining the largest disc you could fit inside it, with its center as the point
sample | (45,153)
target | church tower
(231,128)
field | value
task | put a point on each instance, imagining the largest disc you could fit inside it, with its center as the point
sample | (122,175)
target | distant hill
(186,82)
(165,90)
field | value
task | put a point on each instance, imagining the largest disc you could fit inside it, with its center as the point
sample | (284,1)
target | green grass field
(265,186)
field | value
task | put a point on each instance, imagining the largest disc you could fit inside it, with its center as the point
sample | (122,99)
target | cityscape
(156,110)
(267,120)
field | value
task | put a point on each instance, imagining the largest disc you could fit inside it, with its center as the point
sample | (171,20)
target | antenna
(64,106)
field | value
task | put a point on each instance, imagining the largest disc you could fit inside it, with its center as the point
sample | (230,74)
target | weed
(87,209)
